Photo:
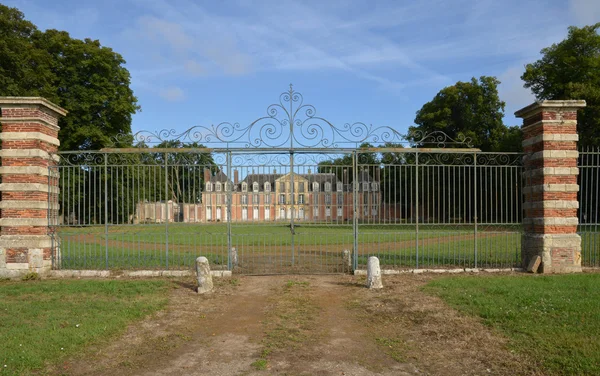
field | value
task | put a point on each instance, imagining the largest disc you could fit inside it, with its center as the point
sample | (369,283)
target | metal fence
(287,194)
(589,205)
(249,213)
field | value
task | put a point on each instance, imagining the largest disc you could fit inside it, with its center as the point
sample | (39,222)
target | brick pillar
(550,185)
(29,136)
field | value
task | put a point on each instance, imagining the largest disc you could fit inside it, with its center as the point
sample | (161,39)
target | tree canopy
(87,79)
(468,109)
(571,70)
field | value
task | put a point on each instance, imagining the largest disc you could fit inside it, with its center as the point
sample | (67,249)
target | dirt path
(309,325)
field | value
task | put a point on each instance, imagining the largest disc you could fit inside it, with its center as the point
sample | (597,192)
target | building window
(227,199)
(315,187)
(207,199)
(218,199)
(208,187)
(374,211)
(244,213)
(375,198)
(316,212)
(339,211)
(244,187)
(255,199)
(366,211)
(282,187)
(316,199)
(327,187)
(255,213)
(328,211)
(244,199)
(209,213)
(282,213)
(374,187)
(282,198)
(218,213)
(366,187)
(301,198)
(339,187)
(301,187)
(267,213)
(267,199)
(328,199)
(218,187)
(365,198)
(255,187)
(267,187)
(340,198)
(301,213)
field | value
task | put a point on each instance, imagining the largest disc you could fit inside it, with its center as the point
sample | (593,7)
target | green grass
(552,319)
(144,246)
(42,322)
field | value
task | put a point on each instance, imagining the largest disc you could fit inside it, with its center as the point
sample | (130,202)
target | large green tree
(86,78)
(467,110)
(571,70)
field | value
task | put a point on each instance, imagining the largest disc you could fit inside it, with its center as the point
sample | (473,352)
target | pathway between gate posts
(314,325)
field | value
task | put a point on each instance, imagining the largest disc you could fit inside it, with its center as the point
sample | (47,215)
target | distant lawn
(42,322)
(555,320)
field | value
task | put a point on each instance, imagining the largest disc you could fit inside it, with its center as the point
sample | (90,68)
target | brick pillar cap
(558,104)
(27,101)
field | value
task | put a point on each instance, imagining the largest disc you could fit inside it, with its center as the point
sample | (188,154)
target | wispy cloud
(172,94)
(586,12)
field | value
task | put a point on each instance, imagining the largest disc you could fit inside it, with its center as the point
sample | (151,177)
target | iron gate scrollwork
(287,193)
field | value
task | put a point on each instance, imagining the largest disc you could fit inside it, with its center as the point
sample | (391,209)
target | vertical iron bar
(475,205)
(167,211)
(292,202)
(106,209)
(229,199)
(417,205)
(355,207)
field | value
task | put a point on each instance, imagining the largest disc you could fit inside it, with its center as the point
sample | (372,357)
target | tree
(86,78)
(571,70)
(470,110)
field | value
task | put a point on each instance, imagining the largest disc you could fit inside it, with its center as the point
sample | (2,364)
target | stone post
(374,274)
(29,135)
(205,282)
(550,185)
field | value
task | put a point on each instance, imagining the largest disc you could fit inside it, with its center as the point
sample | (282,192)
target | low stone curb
(441,271)
(131,274)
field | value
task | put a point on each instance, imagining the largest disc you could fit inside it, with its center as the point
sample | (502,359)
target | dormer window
(255,187)
(227,187)
(315,187)
(327,187)
(208,187)
(267,187)
(374,187)
(218,187)
(244,187)
(339,187)
(366,187)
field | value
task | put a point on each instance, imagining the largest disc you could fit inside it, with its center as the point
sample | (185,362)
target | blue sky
(198,62)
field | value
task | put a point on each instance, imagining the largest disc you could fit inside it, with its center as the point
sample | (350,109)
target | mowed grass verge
(554,320)
(42,322)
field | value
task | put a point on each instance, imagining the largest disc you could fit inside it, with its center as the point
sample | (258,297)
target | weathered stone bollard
(346,260)
(205,283)
(374,274)
(234,257)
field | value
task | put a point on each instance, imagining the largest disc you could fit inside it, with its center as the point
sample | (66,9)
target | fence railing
(589,205)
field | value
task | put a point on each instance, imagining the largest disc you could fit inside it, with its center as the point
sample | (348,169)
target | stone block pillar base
(29,139)
(550,185)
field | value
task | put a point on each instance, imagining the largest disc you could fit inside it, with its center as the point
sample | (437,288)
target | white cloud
(172,94)
(585,12)
(195,68)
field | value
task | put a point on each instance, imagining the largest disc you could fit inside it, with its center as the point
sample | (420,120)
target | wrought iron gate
(288,193)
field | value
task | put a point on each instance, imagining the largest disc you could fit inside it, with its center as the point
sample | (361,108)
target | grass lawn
(144,246)
(42,322)
(554,320)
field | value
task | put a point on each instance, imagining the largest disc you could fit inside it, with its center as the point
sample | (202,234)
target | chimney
(207,175)
(236,177)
